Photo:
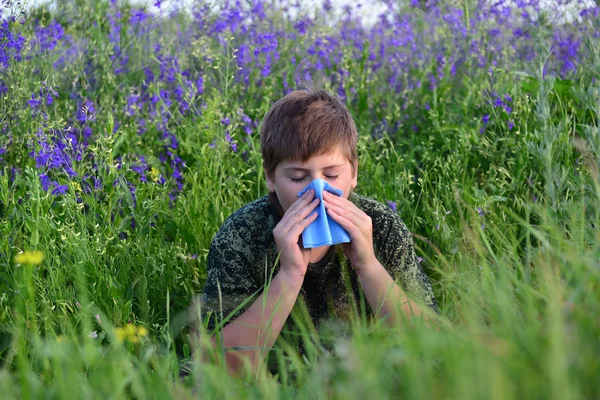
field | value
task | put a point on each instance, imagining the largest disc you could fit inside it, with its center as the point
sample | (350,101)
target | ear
(355,177)
(270,181)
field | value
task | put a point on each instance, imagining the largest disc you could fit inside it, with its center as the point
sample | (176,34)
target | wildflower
(510,125)
(392,205)
(200,85)
(33,103)
(154,174)
(480,211)
(130,333)
(29,257)
(93,335)
(485,119)
(45,181)
(225,121)
(530,181)
(59,189)
(87,112)
(142,331)
(230,141)
(419,260)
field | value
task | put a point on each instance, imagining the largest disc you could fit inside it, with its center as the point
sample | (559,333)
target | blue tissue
(323,231)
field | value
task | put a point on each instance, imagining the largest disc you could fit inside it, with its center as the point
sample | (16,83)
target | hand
(360,228)
(294,258)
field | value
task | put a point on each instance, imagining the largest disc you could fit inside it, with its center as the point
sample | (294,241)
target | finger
(345,223)
(357,220)
(299,215)
(302,201)
(343,203)
(299,226)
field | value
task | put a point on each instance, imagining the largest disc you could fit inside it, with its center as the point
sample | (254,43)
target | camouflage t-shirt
(243,257)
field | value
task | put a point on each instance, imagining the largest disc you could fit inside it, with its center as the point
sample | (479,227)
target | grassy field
(126,139)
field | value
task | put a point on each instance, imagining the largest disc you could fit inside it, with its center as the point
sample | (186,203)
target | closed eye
(298,180)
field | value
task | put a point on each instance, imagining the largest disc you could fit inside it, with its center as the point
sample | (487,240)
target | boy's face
(290,177)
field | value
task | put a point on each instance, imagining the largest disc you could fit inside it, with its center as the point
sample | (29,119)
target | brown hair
(306,123)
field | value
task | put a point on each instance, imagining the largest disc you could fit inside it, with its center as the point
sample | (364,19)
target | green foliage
(505,218)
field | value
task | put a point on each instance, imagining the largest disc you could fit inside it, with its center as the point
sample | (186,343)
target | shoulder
(383,218)
(391,237)
(249,226)
(255,215)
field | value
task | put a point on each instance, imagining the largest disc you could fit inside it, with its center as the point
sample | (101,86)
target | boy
(305,136)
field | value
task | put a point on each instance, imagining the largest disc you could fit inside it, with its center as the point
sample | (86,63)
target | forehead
(330,159)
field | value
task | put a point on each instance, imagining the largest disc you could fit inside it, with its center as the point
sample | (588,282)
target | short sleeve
(230,280)
(400,260)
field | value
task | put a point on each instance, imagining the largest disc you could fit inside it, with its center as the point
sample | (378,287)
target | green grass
(518,286)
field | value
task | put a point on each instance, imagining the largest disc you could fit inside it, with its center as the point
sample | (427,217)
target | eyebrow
(306,170)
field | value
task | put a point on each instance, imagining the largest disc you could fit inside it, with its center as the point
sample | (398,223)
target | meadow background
(128,136)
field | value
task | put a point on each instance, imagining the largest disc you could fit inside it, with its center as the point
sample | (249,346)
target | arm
(386,298)
(383,294)
(260,325)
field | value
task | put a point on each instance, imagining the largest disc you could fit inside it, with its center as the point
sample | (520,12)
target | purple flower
(480,211)
(33,103)
(59,189)
(199,84)
(87,112)
(529,181)
(225,121)
(392,205)
(230,141)
(45,181)
(49,98)
(419,260)
(510,125)
(485,118)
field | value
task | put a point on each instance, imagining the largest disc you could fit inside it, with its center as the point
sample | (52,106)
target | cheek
(287,195)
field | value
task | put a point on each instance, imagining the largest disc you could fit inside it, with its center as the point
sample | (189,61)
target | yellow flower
(142,331)
(130,330)
(154,174)
(120,334)
(77,186)
(130,333)
(29,257)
